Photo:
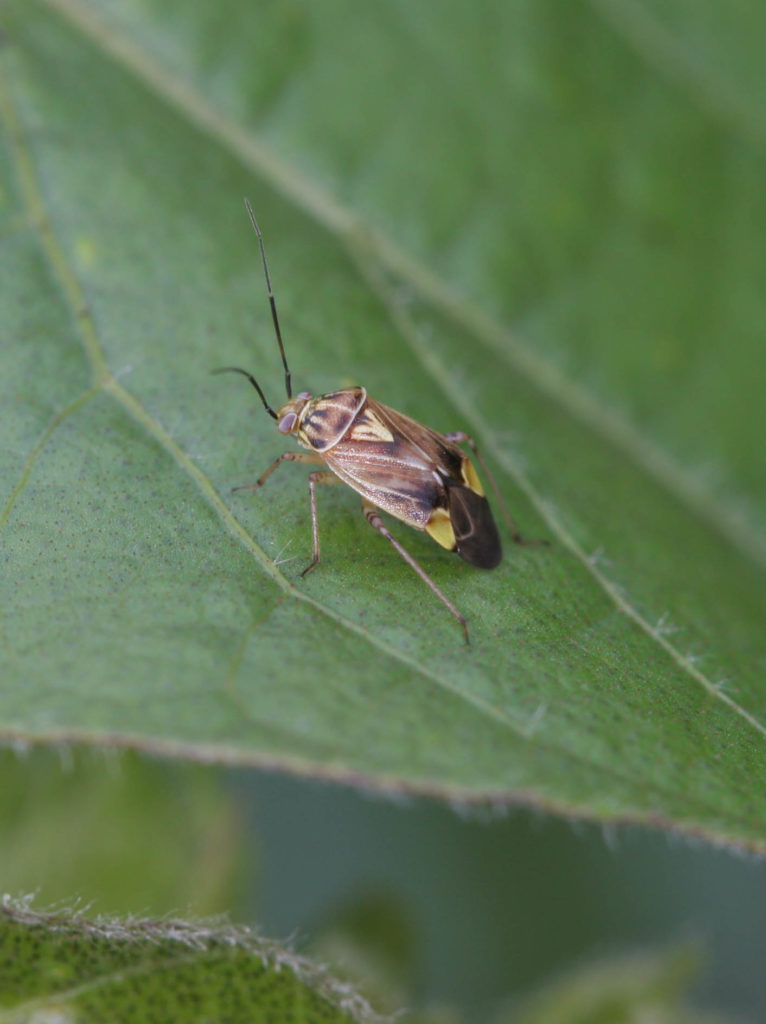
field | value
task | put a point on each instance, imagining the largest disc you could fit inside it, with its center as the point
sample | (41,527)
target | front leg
(309,457)
(322,476)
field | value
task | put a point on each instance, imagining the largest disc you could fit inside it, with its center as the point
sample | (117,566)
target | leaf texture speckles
(64,964)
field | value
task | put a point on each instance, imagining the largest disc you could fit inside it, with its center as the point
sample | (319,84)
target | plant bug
(395,463)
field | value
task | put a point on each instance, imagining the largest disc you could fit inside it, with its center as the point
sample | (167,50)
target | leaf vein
(26,471)
(645,34)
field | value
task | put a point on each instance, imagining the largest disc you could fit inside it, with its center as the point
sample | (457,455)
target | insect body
(397,465)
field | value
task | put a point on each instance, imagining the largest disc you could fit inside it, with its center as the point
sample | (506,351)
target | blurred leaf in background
(120,833)
(370,940)
(629,990)
(493,906)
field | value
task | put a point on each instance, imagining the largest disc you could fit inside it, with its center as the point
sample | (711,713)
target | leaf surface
(617,674)
(66,966)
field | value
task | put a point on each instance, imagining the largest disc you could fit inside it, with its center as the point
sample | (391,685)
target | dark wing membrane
(476,536)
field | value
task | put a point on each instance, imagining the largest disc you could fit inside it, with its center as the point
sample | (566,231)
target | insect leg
(458,437)
(284,457)
(372,517)
(322,476)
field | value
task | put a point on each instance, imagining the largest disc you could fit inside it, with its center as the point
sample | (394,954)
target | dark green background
(492,907)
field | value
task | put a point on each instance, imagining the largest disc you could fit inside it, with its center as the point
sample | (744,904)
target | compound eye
(287,423)
(305,394)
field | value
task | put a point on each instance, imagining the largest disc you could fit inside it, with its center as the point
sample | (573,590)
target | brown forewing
(410,472)
(396,463)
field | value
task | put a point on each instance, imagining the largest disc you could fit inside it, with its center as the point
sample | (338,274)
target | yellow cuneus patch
(440,529)
(471,477)
(369,427)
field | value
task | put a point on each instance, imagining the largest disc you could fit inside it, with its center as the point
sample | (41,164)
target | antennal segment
(253,381)
(272,303)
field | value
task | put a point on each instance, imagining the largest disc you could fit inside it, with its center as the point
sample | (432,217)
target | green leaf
(122,832)
(514,224)
(371,940)
(64,965)
(621,990)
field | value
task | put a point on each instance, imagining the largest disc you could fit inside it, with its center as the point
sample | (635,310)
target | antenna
(274,316)
(253,381)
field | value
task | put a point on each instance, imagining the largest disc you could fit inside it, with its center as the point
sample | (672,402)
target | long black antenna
(253,381)
(272,303)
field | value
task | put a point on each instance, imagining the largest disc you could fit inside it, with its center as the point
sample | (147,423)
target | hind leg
(373,518)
